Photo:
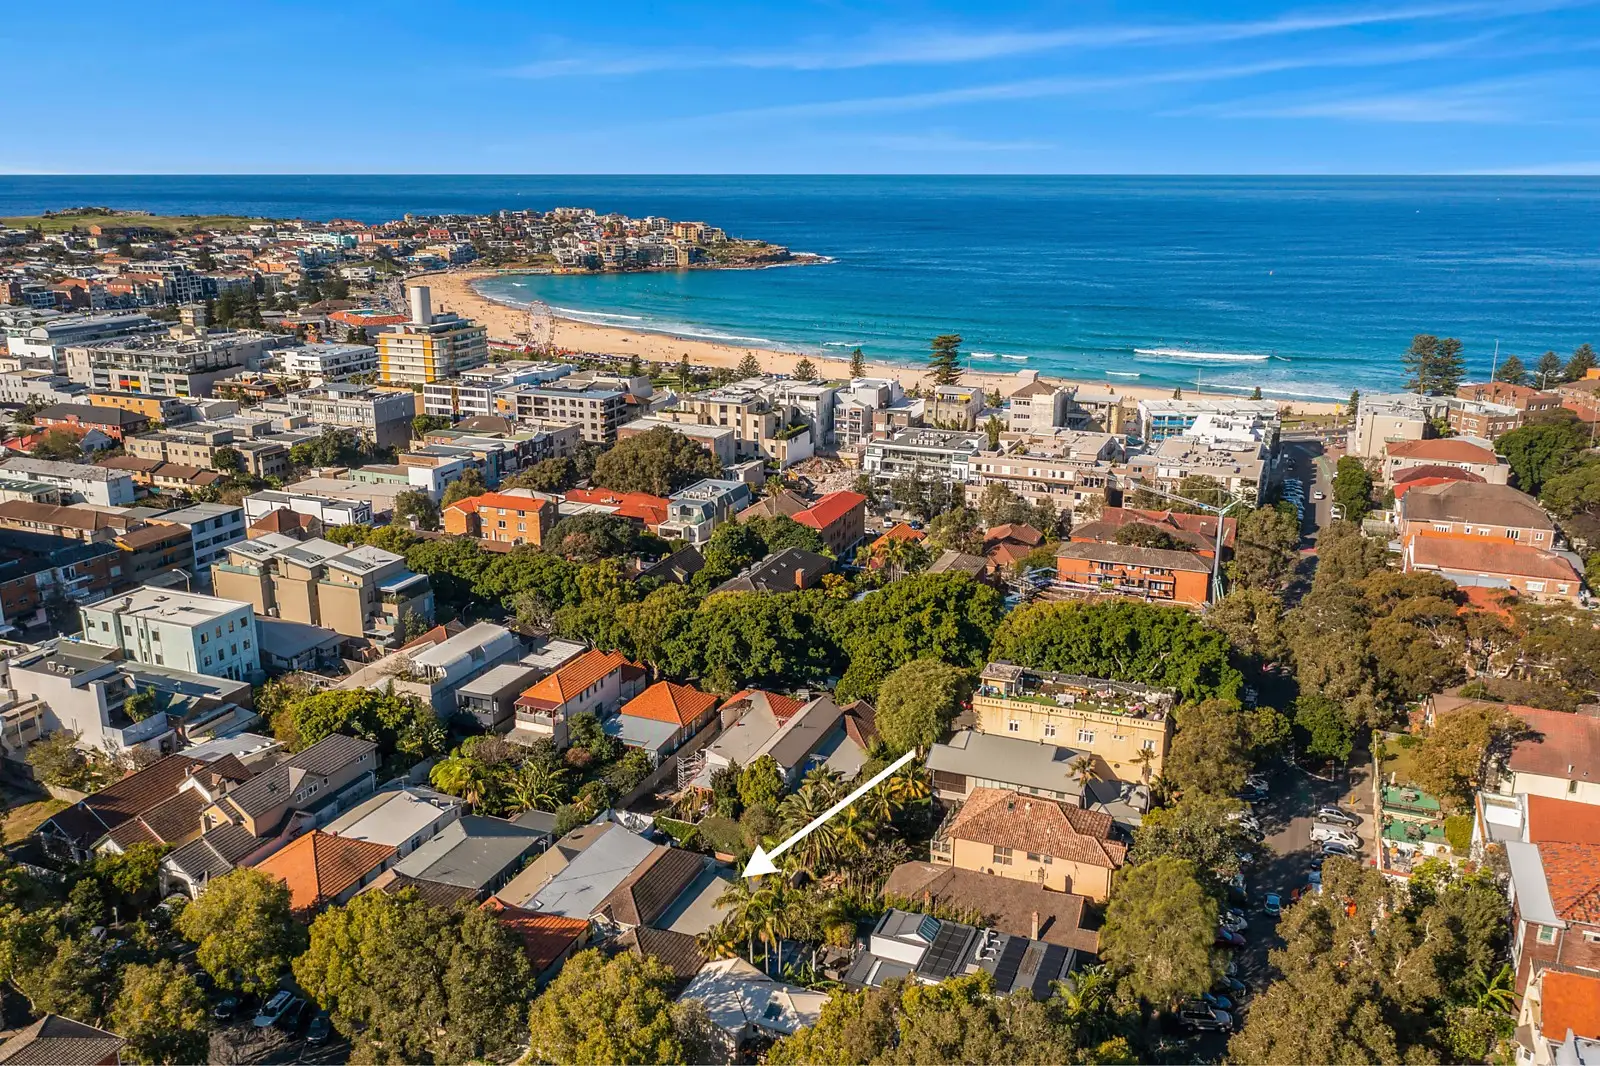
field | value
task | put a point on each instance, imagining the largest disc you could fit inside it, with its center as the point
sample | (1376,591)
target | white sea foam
(1206,357)
(1123,373)
(575,312)
(1015,358)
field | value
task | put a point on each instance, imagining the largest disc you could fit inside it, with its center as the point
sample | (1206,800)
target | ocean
(1306,287)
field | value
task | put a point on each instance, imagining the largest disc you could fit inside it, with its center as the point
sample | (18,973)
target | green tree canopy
(1266,548)
(1537,453)
(761,782)
(918,701)
(600,1011)
(161,1013)
(1327,730)
(1163,646)
(1581,363)
(1352,488)
(804,371)
(1211,751)
(944,365)
(1433,365)
(414,505)
(1549,371)
(658,462)
(1159,929)
(1511,371)
(243,929)
(1454,755)
(1198,828)
(468,485)
(950,617)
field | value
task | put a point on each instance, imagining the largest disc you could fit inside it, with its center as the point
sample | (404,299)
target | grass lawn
(25,818)
(1397,758)
(60,223)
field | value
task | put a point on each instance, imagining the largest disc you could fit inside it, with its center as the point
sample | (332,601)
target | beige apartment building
(358,592)
(1110,721)
(759,421)
(199,447)
(1067,467)
(1042,841)
(429,347)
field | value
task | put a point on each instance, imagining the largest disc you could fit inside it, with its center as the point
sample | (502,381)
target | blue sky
(830,86)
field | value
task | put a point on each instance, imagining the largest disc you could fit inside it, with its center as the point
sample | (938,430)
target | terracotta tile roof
(1569,1001)
(1443,473)
(1135,555)
(284,520)
(830,509)
(53,1040)
(782,707)
(1573,873)
(1008,905)
(861,724)
(785,502)
(89,519)
(1043,826)
(664,701)
(545,937)
(1197,529)
(173,821)
(679,952)
(1562,821)
(646,893)
(901,531)
(1444,449)
(130,462)
(92,817)
(574,677)
(1488,555)
(1560,745)
(498,500)
(640,506)
(437,893)
(318,867)
(1007,553)
(1020,532)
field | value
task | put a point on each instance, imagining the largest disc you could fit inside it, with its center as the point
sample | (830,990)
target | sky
(807,86)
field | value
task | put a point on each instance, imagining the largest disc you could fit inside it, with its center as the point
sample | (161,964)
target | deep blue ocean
(1305,286)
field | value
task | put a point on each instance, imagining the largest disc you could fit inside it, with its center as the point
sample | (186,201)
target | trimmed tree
(1159,932)
(918,701)
(244,930)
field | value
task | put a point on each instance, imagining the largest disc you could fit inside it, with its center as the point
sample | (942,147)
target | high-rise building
(429,347)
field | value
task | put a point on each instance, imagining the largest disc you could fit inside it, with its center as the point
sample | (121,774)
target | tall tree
(749,366)
(1211,751)
(1266,547)
(1352,488)
(684,375)
(858,363)
(244,931)
(1549,371)
(161,1013)
(1159,929)
(1542,451)
(1434,365)
(944,365)
(805,370)
(658,462)
(1449,367)
(606,1011)
(1581,363)
(1511,371)
(917,703)
(415,506)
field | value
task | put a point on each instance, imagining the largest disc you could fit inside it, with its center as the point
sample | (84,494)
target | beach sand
(453,291)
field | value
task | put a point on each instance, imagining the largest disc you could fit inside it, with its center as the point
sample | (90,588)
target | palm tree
(721,941)
(461,776)
(536,786)
(1086,996)
(909,788)
(853,831)
(822,777)
(1083,771)
(1142,760)
(1495,993)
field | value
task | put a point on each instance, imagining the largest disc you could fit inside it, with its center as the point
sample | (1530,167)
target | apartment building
(164,365)
(320,364)
(1130,571)
(718,440)
(1385,417)
(1539,575)
(1475,457)
(39,386)
(381,417)
(1472,509)
(840,518)
(1112,722)
(598,410)
(168,410)
(695,512)
(1103,410)
(763,423)
(186,631)
(515,516)
(1486,421)
(815,402)
(1066,467)
(38,339)
(942,454)
(429,347)
(1241,471)
(328,510)
(855,406)
(1519,397)
(479,392)
(78,483)
(212,528)
(362,592)
(38,571)
(1035,405)
(152,550)
(1048,842)
(1163,419)
(197,445)
(72,522)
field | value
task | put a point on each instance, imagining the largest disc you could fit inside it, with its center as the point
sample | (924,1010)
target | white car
(273,1009)
(1319,495)
(1322,832)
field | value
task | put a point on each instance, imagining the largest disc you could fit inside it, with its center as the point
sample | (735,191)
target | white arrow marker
(761,862)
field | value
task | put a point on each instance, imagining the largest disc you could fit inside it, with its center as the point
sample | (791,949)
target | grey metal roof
(286,639)
(500,679)
(215,852)
(471,853)
(644,733)
(269,788)
(805,732)
(579,889)
(1530,887)
(1011,760)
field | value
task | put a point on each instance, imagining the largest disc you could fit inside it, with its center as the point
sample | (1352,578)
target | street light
(1234,499)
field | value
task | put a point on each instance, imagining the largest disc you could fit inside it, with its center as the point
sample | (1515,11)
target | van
(1323,831)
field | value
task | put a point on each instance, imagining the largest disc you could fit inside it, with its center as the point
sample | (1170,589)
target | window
(1592,936)
(1149,745)
(1049,729)
(204,638)
(1002,856)
(1547,934)
(1013,726)
(1085,736)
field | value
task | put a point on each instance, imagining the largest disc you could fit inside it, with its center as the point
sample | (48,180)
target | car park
(1337,816)
(1199,1017)
(273,1009)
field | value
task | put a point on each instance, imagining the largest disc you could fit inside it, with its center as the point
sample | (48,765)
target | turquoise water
(1306,287)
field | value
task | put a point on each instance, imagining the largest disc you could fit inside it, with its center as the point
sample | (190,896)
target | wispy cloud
(921,48)
(1035,88)
(1497,101)
(1586,168)
(950,142)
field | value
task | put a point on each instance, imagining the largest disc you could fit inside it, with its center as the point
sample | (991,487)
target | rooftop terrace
(1002,680)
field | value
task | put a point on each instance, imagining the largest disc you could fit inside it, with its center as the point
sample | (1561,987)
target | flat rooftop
(168,605)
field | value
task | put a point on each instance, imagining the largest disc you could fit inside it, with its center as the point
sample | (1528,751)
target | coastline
(453,291)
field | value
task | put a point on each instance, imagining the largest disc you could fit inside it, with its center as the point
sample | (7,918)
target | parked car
(273,1009)
(1322,831)
(1234,987)
(290,1022)
(1216,1002)
(225,1008)
(1338,816)
(1317,860)
(320,1029)
(1319,495)
(1274,904)
(1314,878)
(1339,848)
(1234,923)
(1227,939)
(1198,1016)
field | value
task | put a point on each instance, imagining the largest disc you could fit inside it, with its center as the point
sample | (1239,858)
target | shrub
(1458,831)
(683,834)
(723,835)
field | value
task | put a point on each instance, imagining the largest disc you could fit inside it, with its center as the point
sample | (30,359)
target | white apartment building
(321,363)
(1066,467)
(1394,416)
(39,386)
(212,527)
(943,454)
(325,509)
(163,365)
(382,417)
(597,410)
(1160,419)
(477,392)
(182,630)
(37,338)
(78,482)
(1243,472)
(430,347)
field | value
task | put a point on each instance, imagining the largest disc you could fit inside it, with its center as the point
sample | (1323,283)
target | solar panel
(1055,960)
(947,951)
(1005,968)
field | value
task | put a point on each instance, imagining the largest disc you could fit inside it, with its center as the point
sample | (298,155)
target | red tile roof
(1444,473)
(830,509)
(1488,555)
(782,707)
(318,867)
(1444,450)
(1562,821)
(1562,745)
(1034,824)
(1196,529)
(545,937)
(574,677)
(1569,1001)
(1572,872)
(1019,532)
(901,531)
(681,705)
(500,500)
(640,506)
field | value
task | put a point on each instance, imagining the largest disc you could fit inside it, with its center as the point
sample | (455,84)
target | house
(308,786)
(54,1039)
(1538,574)
(547,939)
(1559,1024)
(677,568)
(1558,756)
(576,882)
(841,518)
(928,950)
(515,516)
(1110,721)
(1007,544)
(435,672)
(287,646)
(474,854)
(745,1004)
(321,869)
(596,682)
(1017,908)
(642,509)
(785,503)
(662,718)
(679,952)
(1418,476)
(951,561)
(695,512)
(1555,905)
(785,570)
(114,422)
(1197,532)
(1459,452)
(1012,834)
(1155,575)
(644,896)
(971,760)
(78,483)
(1475,509)
(402,818)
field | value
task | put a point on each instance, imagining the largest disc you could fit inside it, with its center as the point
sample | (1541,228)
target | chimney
(421,312)
(800,579)
(1034,935)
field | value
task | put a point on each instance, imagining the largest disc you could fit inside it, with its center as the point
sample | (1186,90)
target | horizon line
(1577,170)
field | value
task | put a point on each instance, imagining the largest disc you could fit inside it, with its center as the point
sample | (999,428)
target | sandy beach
(453,291)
